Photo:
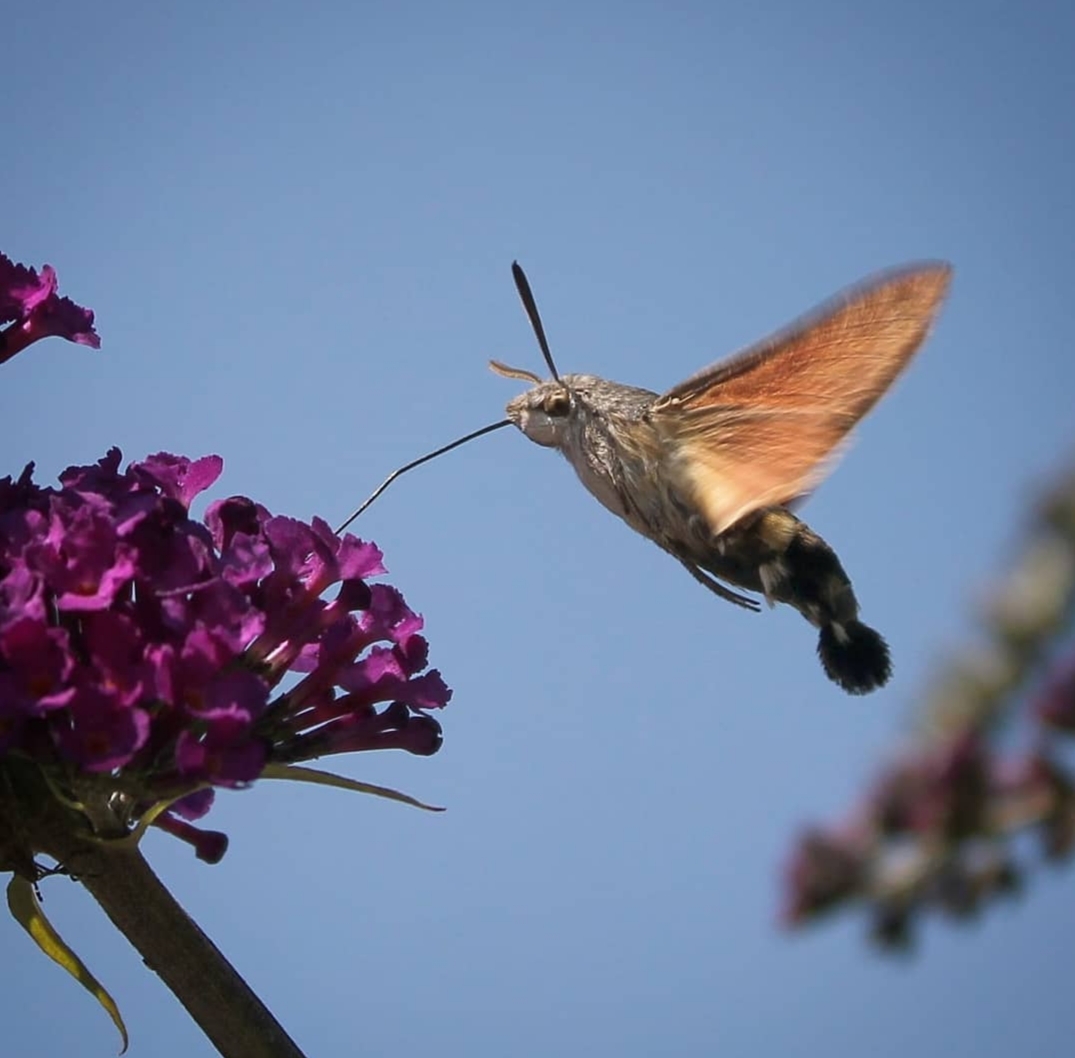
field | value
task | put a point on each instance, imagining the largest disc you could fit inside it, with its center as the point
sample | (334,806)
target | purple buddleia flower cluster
(142,651)
(934,833)
(30,304)
(936,830)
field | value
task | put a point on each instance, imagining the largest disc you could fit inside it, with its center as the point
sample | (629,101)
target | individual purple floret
(142,650)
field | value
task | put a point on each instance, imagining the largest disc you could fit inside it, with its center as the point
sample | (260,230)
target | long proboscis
(417,463)
(522,284)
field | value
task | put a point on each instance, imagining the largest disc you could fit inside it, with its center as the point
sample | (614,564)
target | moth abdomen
(777,554)
(853,655)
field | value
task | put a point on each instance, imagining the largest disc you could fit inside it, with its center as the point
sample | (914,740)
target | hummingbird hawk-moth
(708,469)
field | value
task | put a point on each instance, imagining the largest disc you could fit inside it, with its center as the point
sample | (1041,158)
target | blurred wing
(758,429)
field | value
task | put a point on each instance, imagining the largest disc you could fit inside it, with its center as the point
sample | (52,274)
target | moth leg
(718,589)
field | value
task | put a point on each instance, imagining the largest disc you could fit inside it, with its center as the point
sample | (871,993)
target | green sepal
(26,910)
(325,778)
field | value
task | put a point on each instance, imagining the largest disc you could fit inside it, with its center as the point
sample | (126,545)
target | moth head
(543,412)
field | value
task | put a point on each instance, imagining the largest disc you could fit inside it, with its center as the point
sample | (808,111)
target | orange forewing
(758,429)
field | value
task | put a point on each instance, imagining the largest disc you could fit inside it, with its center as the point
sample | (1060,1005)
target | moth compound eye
(557,404)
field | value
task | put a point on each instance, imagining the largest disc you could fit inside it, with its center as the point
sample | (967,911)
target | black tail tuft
(854,656)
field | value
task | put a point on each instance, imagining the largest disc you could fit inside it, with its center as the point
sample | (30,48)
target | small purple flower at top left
(30,304)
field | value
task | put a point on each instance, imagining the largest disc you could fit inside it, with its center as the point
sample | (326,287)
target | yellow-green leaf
(26,910)
(325,778)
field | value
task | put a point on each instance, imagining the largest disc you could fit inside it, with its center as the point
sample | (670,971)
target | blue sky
(296,222)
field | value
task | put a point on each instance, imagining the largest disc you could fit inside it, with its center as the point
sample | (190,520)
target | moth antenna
(513,372)
(416,463)
(523,286)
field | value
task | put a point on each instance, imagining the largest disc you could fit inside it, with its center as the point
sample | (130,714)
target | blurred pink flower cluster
(936,830)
